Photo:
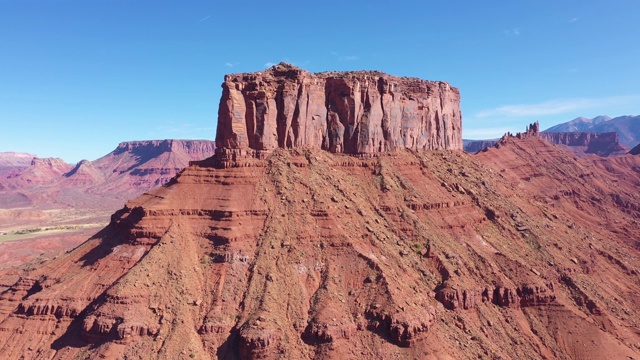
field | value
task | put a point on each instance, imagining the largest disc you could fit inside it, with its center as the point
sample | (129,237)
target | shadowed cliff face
(363,112)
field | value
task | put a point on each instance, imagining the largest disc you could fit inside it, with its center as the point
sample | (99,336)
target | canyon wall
(360,112)
(602,144)
(149,148)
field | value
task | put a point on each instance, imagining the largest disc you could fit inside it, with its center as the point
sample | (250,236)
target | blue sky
(78,77)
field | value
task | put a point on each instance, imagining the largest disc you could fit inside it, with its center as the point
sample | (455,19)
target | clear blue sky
(78,77)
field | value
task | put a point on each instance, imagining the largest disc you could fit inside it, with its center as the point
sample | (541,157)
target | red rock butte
(357,112)
(522,251)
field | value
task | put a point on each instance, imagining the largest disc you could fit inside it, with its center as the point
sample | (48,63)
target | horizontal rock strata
(362,112)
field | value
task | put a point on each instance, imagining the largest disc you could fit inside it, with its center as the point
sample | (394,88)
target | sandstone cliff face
(581,143)
(362,112)
(147,148)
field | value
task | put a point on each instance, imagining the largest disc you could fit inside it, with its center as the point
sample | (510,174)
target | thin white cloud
(512,32)
(557,106)
(269,64)
(572,20)
(227,64)
(339,57)
(203,19)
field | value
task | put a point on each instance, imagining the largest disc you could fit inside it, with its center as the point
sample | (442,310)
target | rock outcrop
(84,174)
(473,146)
(360,112)
(579,143)
(41,171)
(137,166)
(635,150)
(582,143)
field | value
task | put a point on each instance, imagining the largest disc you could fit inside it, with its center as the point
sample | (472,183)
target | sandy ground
(33,235)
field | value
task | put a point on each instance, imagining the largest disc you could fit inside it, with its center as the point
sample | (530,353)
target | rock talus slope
(312,255)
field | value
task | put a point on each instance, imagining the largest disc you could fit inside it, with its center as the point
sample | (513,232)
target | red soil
(523,251)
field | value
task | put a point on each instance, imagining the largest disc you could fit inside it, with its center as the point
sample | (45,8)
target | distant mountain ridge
(627,127)
(132,168)
(579,124)
(602,135)
(13,161)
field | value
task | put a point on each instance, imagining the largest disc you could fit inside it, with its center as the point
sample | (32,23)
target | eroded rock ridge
(582,143)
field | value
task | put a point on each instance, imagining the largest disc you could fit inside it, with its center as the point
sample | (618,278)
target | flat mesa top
(286,70)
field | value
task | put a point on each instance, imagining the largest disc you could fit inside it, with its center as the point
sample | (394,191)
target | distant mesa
(358,112)
(132,168)
(583,143)
(137,166)
(627,127)
(12,162)
(15,159)
(473,146)
(42,171)
(635,150)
